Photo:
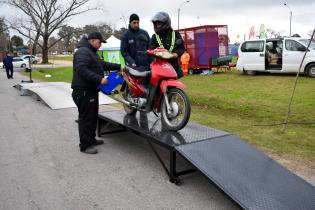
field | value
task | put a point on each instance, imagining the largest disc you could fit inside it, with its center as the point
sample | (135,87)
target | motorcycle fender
(170,83)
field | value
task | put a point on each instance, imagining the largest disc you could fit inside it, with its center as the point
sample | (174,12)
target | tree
(27,29)
(270,33)
(105,30)
(47,16)
(69,35)
(16,41)
(4,35)
(119,32)
(89,29)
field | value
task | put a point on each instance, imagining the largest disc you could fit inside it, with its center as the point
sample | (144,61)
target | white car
(34,59)
(18,62)
(278,55)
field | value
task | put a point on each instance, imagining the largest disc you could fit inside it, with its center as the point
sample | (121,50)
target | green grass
(63,74)
(60,58)
(242,104)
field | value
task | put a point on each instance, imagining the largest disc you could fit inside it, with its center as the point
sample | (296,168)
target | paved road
(41,167)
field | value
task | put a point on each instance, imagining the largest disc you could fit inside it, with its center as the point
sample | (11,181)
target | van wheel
(251,73)
(190,71)
(310,70)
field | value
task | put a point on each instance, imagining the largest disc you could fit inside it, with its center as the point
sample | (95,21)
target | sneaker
(89,150)
(98,142)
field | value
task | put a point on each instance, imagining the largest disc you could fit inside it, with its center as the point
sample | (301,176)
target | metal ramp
(249,177)
(57,95)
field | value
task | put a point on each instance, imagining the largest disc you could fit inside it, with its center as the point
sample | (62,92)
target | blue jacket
(7,62)
(134,44)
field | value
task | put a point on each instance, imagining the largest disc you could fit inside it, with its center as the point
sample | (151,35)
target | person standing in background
(184,59)
(134,44)
(8,64)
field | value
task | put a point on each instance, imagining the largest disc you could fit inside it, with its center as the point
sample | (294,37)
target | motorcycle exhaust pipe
(121,100)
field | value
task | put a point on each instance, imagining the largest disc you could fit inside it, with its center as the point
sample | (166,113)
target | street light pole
(285,4)
(178,12)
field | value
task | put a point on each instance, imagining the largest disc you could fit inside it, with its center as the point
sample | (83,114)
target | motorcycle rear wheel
(179,114)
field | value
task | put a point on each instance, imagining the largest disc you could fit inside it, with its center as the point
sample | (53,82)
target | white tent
(110,51)
(112,43)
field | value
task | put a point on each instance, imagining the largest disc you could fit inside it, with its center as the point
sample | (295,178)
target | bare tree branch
(49,15)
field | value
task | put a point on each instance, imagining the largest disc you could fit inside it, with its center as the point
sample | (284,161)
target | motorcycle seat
(137,73)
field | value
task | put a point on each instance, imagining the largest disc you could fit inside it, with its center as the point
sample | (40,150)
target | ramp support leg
(173,174)
(101,126)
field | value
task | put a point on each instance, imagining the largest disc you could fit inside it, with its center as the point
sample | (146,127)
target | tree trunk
(45,49)
(34,47)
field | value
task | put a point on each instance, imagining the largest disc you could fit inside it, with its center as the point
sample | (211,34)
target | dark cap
(133,17)
(96,35)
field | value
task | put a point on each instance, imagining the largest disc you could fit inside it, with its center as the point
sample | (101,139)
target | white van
(281,55)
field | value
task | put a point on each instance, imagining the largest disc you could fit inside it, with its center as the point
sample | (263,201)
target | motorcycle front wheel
(178,115)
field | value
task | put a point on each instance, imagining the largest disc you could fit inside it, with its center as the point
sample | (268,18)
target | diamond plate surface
(150,125)
(248,176)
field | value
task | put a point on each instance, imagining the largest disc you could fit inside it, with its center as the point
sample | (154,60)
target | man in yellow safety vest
(166,37)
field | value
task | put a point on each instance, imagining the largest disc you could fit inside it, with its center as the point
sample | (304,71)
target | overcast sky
(238,15)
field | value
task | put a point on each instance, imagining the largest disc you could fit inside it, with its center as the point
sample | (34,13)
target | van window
(254,46)
(306,42)
(292,45)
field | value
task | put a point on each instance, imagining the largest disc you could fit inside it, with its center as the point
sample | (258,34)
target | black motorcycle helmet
(164,19)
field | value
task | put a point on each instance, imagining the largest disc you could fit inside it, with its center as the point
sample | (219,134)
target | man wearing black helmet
(134,44)
(167,38)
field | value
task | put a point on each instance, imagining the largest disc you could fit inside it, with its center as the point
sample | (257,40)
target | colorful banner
(251,33)
(262,31)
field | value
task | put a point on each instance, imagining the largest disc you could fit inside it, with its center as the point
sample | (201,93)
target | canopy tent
(110,51)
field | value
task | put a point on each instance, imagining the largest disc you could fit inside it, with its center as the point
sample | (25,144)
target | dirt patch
(62,63)
(299,167)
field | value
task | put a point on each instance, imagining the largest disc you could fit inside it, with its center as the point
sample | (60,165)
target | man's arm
(153,42)
(179,48)
(125,50)
(107,66)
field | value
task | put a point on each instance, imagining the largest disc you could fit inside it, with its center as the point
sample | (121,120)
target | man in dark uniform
(134,44)
(7,62)
(166,37)
(88,73)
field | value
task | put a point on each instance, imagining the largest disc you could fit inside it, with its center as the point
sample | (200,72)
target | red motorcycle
(163,93)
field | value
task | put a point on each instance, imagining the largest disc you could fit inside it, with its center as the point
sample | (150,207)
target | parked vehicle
(278,55)
(163,94)
(34,59)
(18,62)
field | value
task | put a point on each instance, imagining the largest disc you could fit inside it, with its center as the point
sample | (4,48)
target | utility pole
(285,4)
(178,12)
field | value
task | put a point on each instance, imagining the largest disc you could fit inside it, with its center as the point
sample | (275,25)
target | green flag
(262,31)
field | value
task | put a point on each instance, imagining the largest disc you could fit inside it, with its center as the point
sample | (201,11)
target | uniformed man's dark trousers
(9,71)
(87,103)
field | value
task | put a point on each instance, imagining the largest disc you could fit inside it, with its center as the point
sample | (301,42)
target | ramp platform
(57,95)
(249,177)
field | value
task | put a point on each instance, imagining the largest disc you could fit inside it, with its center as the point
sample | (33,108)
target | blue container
(114,79)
